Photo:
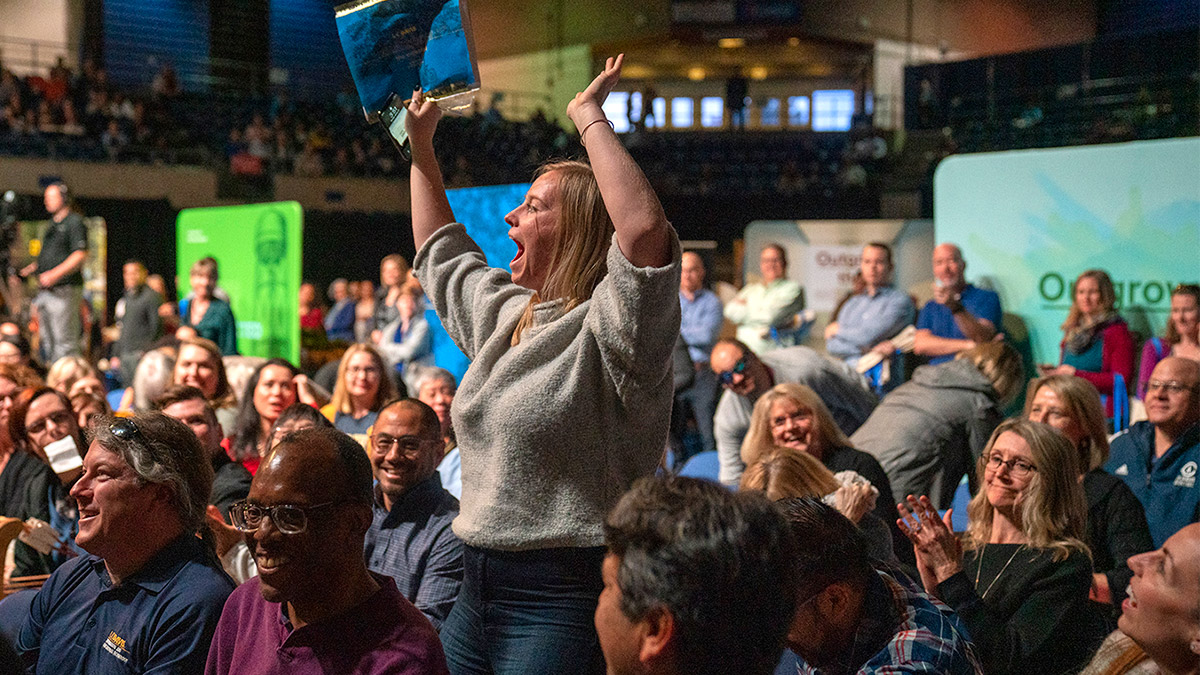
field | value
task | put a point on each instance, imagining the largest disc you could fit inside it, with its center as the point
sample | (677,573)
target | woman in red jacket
(1096,342)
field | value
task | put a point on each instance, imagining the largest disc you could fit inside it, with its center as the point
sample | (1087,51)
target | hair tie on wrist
(589,126)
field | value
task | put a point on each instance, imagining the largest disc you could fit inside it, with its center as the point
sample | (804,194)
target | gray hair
(428,374)
(164,451)
(154,373)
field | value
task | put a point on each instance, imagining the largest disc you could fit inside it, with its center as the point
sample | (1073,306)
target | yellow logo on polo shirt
(115,645)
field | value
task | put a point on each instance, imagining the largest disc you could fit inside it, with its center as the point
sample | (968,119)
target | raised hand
(421,120)
(586,106)
(939,552)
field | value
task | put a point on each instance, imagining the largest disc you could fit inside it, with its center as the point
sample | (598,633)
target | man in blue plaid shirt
(410,538)
(854,618)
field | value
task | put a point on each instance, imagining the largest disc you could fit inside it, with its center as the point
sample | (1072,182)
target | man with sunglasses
(746,376)
(1158,458)
(314,607)
(410,539)
(148,597)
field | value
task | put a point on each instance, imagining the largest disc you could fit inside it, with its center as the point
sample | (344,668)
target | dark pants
(526,612)
(700,402)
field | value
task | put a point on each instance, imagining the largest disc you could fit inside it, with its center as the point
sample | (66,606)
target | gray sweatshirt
(553,431)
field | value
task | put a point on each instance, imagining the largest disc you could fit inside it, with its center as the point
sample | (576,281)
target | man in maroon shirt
(314,607)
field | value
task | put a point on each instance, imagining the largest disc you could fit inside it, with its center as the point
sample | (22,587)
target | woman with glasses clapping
(1020,577)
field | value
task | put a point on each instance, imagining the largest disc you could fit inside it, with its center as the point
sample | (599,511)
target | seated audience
(1116,523)
(147,596)
(698,580)
(762,309)
(436,388)
(314,606)
(15,351)
(154,373)
(870,317)
(785,473)
(960,315)
(231,481)
(853,618)
(1159,629)
(699,326)
(393,274)
(87,405)
(339,322)
(200,365)
(364,311)
(68,370)
(405,341)
(42,419)
(793,416)
(1182,338)
(747,376)
(205,314)
(312,319)
(18,466)
(410,538)
(1097,344)
(1025,604)
(363,386)
(928,432)
(271,388)
(1157,458)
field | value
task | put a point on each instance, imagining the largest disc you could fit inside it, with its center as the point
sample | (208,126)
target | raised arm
(637,215)
(430,208)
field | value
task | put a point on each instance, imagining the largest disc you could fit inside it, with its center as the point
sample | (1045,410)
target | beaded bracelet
(589,126)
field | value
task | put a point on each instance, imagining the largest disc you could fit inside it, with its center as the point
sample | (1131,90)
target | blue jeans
(526,612)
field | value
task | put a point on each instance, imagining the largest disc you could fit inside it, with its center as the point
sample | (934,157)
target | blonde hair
(1081,403)
(383,393)
(1108,297)
(784,473)
(1051,509)
(581,244)
(1000,364)
(758,441)
(68,370)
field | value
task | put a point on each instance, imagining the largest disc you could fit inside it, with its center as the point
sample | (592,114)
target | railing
(24,56)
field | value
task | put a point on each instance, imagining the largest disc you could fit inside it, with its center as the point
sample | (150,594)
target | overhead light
(758,72)
(793,42)
(731,42)
(695,73)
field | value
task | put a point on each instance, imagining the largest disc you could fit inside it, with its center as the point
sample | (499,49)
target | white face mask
(63,455)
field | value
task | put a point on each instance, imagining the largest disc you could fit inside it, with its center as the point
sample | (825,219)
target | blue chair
(704,465)
(962,497)
(1120,404)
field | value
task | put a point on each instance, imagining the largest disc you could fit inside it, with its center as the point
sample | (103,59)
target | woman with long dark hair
(271,389)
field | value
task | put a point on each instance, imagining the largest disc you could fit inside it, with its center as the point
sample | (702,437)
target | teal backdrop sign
(258,252)
(1030,221)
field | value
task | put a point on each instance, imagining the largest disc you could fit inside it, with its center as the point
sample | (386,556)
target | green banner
(257,248)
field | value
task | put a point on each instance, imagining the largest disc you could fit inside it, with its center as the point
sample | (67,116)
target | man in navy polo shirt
(1158,458)
(960,315)
(149,596)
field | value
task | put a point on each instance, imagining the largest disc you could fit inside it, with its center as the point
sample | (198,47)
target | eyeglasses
(793,418)
(1171,386)
(369,371)
(60,418)
(726,377)
(288,518)
(410,446)
(1017,468)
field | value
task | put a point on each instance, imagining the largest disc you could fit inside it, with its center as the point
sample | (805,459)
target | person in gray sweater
(568,396)
(928,432)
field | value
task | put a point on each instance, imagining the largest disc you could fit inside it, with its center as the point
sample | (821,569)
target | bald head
(322,462)
(1173,395)
(948,265)
(691,276)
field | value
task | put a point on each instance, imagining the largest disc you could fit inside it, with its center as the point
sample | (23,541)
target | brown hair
(22,376)
(581,245)
(785,473)
(20,408)
(1081,402)
(1108,297)
(999,363)
(224,395)
(206,266)
(1192,290)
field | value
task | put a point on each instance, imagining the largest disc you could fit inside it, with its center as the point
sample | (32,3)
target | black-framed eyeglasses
(287,518)
(1017,468)
(60,418)
(410,446)
(726,377)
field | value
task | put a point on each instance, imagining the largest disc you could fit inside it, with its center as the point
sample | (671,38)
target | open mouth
(520,251)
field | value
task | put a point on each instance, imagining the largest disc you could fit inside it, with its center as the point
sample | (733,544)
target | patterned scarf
(1080,338)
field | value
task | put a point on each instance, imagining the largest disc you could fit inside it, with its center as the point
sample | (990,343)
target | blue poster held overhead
(395,46)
